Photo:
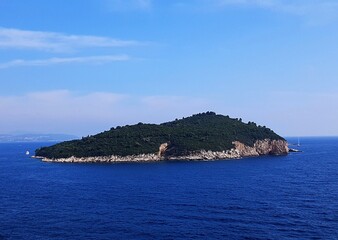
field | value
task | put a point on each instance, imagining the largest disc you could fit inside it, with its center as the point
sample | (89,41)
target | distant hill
(203,131)
(4,138)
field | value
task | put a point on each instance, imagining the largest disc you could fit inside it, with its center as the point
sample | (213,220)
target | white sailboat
(298,143)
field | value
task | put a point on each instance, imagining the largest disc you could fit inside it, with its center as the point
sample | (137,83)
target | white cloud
(128,5)
(312,12)
(326,9)
(293,113)
(55,42)
(57,111)
(165,102)
(55,61)
(64,111)
(263,3)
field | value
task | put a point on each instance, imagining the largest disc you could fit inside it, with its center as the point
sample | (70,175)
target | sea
(285,197)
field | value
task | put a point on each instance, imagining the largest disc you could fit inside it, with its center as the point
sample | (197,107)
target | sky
(81,67)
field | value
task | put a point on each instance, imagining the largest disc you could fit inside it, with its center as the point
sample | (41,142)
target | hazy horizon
(80,68)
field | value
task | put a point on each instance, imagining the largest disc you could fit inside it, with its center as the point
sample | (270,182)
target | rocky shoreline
(261,147)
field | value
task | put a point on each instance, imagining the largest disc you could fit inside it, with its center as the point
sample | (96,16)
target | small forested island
(203,136)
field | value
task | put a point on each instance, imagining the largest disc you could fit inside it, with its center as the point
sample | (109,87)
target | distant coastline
(17,138)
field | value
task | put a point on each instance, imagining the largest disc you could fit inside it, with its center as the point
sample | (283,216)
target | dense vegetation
(207,131)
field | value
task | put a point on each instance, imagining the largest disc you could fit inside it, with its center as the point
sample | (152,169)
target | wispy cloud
(56,42)
(262,3)
(128,5)
(312,12)
(54,61)
(322,9)
(81,114)
(66,111)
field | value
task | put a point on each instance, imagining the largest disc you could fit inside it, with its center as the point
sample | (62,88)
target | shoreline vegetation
(204,136)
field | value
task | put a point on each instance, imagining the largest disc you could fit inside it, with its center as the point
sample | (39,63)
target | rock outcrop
(261,147)
(162,149)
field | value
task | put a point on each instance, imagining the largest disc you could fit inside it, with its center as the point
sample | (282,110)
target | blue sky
(81,67)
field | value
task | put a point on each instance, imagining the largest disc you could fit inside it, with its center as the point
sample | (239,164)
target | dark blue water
(293,197)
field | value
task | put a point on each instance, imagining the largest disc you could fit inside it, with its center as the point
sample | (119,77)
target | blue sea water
(291,197)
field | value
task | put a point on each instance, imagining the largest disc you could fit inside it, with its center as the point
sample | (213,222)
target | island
(203,136)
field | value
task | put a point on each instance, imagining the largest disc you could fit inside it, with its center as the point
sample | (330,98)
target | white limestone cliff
(261,147)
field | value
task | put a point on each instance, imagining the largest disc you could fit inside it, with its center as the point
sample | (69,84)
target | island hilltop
(203,136)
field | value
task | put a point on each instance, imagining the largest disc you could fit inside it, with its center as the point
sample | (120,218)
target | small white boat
(27,153)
